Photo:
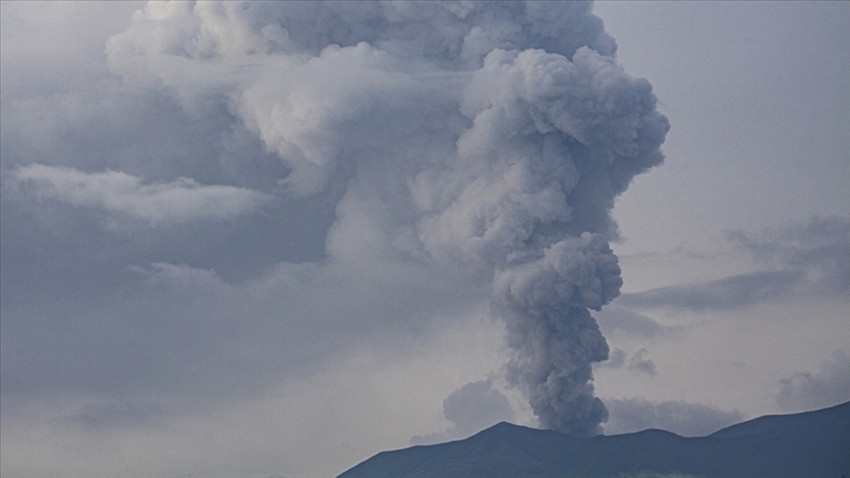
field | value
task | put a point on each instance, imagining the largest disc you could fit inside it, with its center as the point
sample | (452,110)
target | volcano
(809,444)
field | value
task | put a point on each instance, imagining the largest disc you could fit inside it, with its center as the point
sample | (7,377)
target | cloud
(490,136)
(35,61)
(810,258)
(724,294)
(450,34)
(322,178)
(471,408)
(114,191)
(616,359)
(684,418)
(94,417)
(615,320)
(184,336)
(639,361)
(300,77)
(820,246)
(642,363)
(828,386)
(801,259)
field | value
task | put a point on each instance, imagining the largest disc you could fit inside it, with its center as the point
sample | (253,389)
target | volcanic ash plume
(493,136)
(553,141)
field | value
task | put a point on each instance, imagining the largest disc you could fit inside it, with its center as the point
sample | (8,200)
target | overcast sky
(229,249)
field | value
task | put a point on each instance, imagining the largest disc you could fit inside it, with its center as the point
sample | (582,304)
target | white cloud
(178,201)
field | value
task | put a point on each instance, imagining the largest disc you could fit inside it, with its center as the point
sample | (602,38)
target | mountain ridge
(807,444)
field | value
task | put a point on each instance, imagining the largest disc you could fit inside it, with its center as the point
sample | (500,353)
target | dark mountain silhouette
(811,444)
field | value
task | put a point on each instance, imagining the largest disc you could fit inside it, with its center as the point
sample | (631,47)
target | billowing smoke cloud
(489,137)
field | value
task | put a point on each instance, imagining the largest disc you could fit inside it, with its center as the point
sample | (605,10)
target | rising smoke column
(491,137)
(553,142)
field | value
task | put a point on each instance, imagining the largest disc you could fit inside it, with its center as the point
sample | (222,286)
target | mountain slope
(810,444)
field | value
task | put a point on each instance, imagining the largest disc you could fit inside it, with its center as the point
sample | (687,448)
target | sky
(276,240)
